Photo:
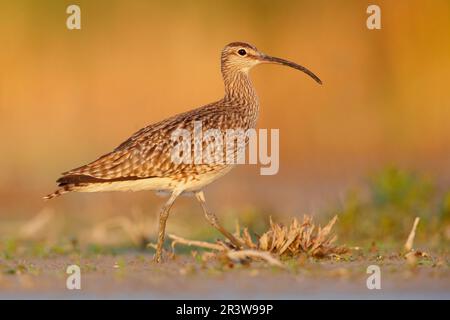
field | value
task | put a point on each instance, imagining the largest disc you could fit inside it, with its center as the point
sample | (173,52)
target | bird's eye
(242,52)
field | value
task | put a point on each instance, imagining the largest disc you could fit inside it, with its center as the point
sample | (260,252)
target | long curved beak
(269,59)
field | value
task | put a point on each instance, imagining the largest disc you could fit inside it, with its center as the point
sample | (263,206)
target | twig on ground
(242,254)
(410,242)
(201,244)
(229,253)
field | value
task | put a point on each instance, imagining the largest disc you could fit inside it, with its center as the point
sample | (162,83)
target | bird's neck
(240,93)
(238,86)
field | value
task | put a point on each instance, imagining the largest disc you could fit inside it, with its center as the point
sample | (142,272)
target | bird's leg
(163,215)
(212,219)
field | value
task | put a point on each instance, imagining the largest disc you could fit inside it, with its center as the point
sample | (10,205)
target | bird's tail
(59,192)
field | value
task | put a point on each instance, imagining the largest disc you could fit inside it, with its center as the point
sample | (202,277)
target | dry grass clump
(297,238)
(279,241)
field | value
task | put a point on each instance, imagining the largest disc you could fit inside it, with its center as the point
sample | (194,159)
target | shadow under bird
(143,162)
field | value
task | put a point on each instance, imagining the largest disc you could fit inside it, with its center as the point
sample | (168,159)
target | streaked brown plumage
(143,162)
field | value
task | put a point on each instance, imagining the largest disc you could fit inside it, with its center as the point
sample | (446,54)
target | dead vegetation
(279,241)
(135,228)
(412,255)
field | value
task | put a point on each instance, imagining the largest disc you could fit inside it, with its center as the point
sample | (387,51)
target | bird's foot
(157,258)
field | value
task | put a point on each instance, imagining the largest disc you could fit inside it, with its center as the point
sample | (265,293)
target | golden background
(68,96)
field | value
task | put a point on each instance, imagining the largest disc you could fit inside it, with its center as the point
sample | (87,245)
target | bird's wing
(147,153)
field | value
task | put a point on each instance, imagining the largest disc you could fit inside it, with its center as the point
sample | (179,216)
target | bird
(144,161)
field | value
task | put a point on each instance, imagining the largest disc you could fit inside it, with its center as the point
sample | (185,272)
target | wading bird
(144,162)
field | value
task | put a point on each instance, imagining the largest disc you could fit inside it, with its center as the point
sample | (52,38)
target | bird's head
(241,57)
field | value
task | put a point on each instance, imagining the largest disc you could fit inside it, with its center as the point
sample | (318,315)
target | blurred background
(376,135)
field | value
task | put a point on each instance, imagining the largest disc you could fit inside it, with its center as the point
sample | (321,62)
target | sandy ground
(134,276)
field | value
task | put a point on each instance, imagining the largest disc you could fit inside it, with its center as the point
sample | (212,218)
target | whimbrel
(144,162)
